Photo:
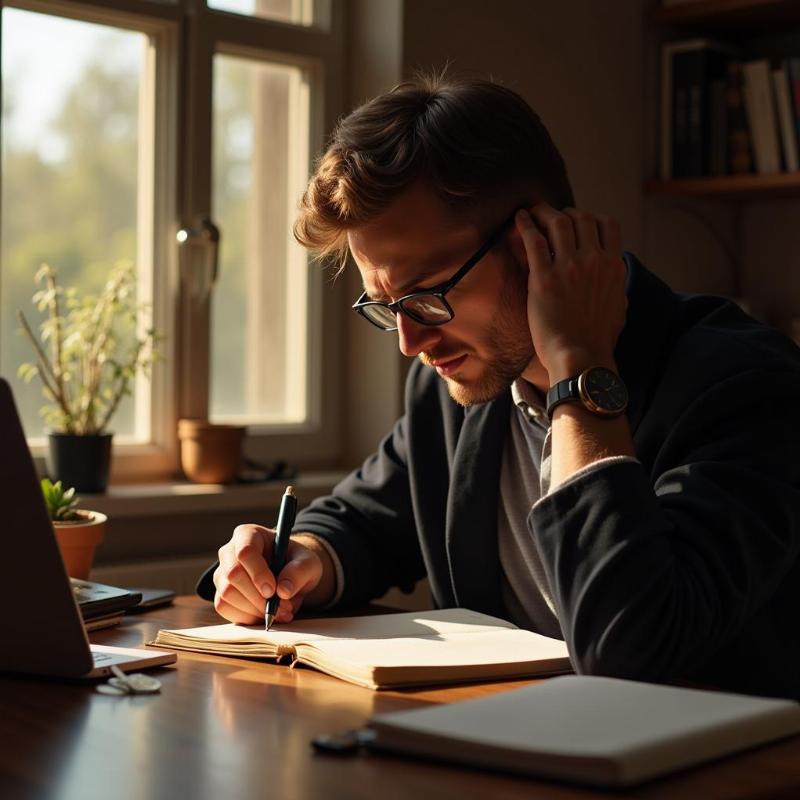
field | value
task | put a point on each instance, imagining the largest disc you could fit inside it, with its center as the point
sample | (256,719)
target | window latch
(199,257)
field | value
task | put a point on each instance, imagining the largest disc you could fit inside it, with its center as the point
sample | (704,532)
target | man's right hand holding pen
(244,581)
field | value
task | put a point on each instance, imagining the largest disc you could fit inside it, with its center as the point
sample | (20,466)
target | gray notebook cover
(600,731)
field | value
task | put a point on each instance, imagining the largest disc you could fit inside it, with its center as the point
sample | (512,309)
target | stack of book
(724,115)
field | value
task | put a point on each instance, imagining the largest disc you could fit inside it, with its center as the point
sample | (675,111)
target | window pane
(259,314)
(299,12)
(70,134)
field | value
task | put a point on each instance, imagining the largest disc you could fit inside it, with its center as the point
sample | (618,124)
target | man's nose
(414,338)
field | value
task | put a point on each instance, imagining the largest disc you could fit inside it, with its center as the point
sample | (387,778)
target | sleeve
(368,521)
(653,573)
(367,525)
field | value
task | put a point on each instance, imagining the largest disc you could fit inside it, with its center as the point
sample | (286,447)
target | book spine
(680,116)
(740,157)
(785,108)
(695,95)
(666,112)
(718,130)
(760,106)
(793,67)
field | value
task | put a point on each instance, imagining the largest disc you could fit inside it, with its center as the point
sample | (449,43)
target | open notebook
(389,650)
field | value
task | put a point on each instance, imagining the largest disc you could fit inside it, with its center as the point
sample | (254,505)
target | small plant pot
(82,461)
(210,453)
(77,541)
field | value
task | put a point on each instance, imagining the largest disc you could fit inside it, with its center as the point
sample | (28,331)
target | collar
(528,399)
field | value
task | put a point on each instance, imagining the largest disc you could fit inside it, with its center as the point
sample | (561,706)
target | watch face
(603,391)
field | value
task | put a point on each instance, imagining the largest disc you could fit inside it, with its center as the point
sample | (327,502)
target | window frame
(185,36)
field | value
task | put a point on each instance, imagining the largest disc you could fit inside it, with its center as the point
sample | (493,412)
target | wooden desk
(226,728)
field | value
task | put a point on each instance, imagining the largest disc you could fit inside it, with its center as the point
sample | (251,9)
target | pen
(286,517)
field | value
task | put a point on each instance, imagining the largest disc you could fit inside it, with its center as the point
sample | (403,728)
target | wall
(577,62)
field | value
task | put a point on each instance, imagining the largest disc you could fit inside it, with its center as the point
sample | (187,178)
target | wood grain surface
(234,728)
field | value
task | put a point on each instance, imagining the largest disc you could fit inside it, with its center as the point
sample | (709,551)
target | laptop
(42,631)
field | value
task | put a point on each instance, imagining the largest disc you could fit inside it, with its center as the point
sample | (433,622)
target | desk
(226,728)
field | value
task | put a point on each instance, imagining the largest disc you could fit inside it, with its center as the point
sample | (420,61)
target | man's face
(418,243)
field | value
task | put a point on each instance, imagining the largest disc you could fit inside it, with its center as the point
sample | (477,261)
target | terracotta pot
(210,453)
(78,540)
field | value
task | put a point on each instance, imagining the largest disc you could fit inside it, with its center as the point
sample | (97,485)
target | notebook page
(447,649)
(450,622)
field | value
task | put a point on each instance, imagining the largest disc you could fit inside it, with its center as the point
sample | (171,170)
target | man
(583,451)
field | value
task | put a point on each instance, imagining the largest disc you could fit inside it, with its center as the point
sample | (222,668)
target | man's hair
(477,144)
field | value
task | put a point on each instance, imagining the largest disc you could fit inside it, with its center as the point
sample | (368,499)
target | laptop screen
(42,630)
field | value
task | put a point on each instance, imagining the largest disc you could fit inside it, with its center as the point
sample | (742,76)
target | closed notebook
(592,730)
(389,650)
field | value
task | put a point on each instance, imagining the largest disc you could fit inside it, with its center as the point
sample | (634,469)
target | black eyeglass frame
(439,291)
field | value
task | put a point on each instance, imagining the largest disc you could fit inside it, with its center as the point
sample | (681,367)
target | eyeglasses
(428,306)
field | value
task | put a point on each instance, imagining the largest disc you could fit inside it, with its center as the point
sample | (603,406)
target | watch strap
(560,393)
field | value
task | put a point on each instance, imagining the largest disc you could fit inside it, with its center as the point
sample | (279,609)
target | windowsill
(183,497)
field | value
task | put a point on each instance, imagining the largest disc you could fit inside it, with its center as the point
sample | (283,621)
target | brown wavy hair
(479,146)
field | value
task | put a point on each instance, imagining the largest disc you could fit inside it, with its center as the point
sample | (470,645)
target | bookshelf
(733,187)
(740,21)
(754,15)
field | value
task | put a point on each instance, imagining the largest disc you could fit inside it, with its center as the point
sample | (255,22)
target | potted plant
(210,453)
(86,355)
(77,531)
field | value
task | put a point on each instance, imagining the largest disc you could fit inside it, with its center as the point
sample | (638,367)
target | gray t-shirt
(524,480)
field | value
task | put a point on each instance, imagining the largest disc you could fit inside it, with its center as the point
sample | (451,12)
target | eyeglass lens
(427,309)
(382,316)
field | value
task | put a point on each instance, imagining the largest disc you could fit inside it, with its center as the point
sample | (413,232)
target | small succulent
(62,505)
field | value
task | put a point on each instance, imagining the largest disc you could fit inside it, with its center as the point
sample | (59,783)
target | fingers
(610,235)
(243,578)
(300,576)
(585,227)
(252,547)
(230,603)
(288,609)
(301,573)
(571,230)
(557,227)
(537,248)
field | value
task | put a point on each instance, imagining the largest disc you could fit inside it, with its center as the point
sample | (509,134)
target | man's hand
(244,581)
(576,288)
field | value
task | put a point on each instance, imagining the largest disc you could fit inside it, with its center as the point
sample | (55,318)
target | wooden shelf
(731,14)
(781,184)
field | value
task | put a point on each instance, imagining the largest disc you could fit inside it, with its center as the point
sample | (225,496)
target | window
(259,313)
(72,139)
(119,145)
(299,12)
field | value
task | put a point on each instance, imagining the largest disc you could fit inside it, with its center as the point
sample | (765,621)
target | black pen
(286,517)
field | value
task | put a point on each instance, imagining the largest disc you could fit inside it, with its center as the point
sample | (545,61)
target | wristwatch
(599,389)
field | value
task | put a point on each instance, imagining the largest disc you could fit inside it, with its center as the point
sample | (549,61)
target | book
(786,118)
(718,128)
(793,69)
(740,158)
(100,600)
(605,732)
(389,650)
(689,71)
(105,621)
(759,103)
